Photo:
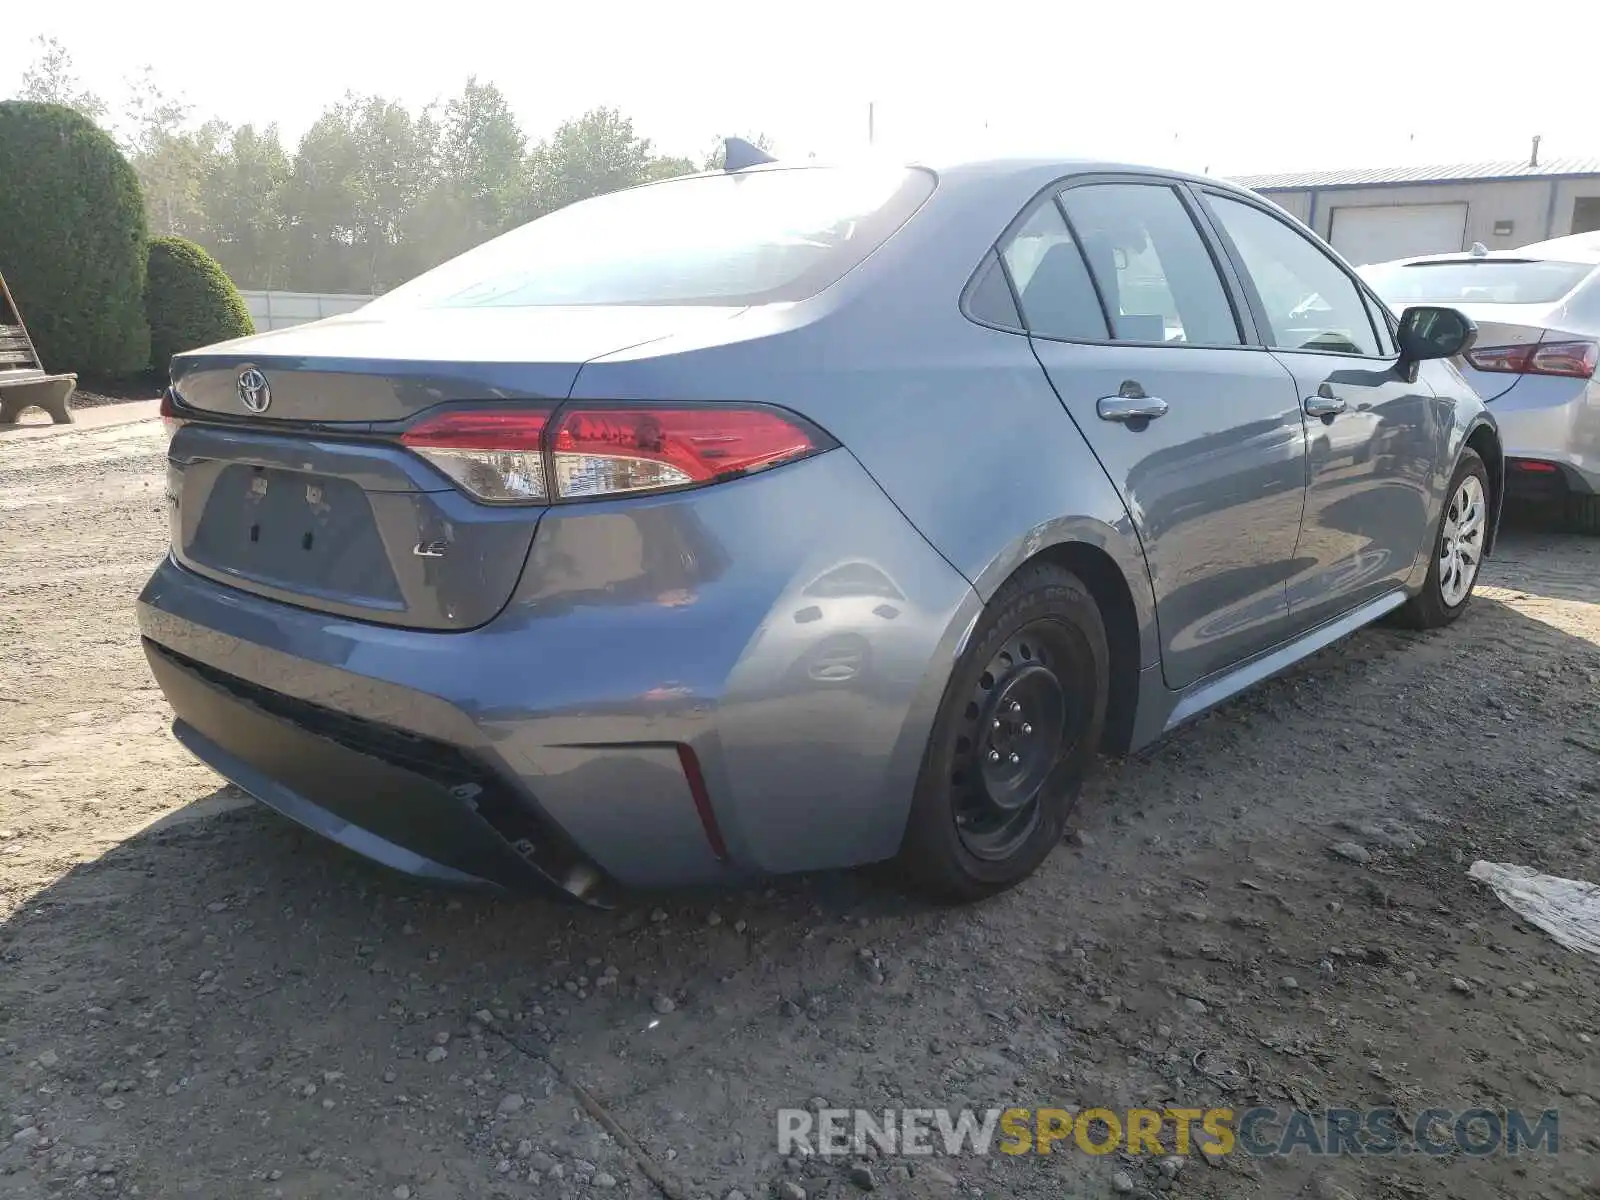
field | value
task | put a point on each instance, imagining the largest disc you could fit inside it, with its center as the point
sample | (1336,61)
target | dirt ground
(196,999)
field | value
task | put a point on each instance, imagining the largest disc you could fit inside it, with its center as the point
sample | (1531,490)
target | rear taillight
(496,456)
(169,413)
(1574,359)
(606,451)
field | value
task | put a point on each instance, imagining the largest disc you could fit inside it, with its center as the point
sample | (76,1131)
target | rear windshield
(751,237)
(1480,281)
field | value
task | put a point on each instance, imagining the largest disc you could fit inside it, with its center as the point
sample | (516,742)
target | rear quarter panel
(1461,414)
(956,422)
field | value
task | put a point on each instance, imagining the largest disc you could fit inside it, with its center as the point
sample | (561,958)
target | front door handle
(1130,404)
(1325,403)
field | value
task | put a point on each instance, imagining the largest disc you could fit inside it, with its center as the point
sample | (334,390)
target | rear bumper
(790,633)
(367,787)
(1542,479)
(1553,421)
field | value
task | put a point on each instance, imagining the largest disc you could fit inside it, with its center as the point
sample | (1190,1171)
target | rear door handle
(1130,404)
(1325,403)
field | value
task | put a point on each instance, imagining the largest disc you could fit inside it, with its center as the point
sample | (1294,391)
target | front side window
(1156,278)
(749,237)
(1382,322)
(1309,301)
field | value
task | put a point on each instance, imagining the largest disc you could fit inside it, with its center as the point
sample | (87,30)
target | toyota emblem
(254,393)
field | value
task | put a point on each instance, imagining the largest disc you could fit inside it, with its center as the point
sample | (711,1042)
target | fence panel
(278,310)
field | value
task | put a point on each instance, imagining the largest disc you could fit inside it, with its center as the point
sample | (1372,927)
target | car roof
(1038,170)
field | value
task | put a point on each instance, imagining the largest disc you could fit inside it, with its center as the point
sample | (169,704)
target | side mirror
(1430,332)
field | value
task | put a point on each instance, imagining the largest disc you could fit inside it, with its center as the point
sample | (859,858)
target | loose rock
(1350,850)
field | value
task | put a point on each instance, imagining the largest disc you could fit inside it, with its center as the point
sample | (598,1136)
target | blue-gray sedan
(786,518)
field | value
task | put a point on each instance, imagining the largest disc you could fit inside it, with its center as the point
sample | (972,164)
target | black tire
(1583,514)
(969,835)
(1428,609)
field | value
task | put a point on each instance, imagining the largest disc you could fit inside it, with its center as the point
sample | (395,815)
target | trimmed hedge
(190,301)
(72,240)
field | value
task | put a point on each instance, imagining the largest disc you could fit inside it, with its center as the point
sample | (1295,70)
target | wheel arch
(1484,438)
(1125,622)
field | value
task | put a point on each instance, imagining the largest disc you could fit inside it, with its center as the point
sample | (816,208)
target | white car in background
(1538,314)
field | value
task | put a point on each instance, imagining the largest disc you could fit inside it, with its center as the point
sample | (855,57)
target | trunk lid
(361,368)
(1500,325)
(312,501)
(1507,325)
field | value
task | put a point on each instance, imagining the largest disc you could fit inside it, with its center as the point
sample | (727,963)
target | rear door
(1375,436)
(1131,319)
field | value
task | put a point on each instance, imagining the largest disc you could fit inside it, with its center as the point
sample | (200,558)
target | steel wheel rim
(1019,722)
(1466,520)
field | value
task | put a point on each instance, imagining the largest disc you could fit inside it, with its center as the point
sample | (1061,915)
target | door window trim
(1253,296)
(1244,317)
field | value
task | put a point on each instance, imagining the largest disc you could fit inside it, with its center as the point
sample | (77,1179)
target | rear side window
(749,237)
(990,299)
(1309,301)
(1156,279)
(1053,285)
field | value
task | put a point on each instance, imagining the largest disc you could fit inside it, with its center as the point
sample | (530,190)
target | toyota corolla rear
(520,573)
(1535,358)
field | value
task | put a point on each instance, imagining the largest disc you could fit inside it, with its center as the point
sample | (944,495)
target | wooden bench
(23,381)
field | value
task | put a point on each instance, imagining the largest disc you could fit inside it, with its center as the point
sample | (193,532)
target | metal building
(1376,215)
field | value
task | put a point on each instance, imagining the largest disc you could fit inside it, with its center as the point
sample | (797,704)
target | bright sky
(1236,86)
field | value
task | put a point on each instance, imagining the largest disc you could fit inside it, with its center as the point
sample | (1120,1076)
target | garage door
(1378,234)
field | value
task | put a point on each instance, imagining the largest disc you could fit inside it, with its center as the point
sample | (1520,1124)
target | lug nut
(994,756)
(1015,758)
(1015,707)
(1026,729)
(997,722)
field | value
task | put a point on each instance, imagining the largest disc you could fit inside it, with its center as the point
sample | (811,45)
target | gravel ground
(196,999)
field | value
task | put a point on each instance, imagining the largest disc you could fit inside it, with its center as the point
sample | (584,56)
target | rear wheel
(1458,549)
(1583,514)
(1017,730)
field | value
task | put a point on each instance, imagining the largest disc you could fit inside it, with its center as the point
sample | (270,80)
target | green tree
(597,153)
(190,301)
(669,167)
(172,161)
(321,200)
(51,79)
(73,244)
(241,197)
(396,153)
(480,157)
